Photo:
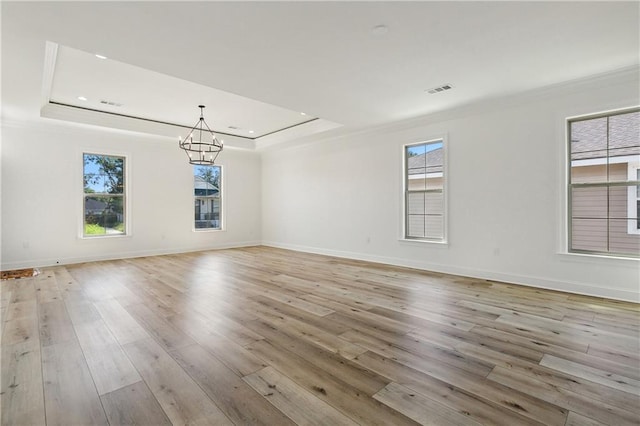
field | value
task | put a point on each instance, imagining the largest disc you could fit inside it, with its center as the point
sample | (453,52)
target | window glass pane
(103,174)
(425,160)
(590,202)
(620,206)
(589,151)
(206,191)
(434,227)
(620,239)
(434,202)
(589,139)
(589,234)
(624,134)
(434,157)
(435,183)
(416,159)
(618,172)
(416,226)
(588,173)
(94,183)
(415,203)
(103,215)
(416,183)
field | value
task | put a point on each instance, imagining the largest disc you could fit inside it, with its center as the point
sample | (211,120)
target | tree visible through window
(603,183)
(206,191)
(424,191)
(104,195)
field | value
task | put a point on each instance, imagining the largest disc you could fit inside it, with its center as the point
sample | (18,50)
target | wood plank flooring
(267,336)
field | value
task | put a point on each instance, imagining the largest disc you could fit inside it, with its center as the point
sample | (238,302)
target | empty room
(320,213)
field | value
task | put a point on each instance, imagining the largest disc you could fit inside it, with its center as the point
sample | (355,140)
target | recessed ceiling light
(100,56)
(82,98)
(250,131)
(302,113)
(380,30)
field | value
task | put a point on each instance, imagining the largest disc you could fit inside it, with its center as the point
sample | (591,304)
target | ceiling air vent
(439,89)
(110,103)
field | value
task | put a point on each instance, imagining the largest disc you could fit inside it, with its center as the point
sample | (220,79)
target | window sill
(600,257)
(104,237)
(206,230)
(417,241)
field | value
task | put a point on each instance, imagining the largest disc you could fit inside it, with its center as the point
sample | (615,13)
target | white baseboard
(526,280)
(40,263)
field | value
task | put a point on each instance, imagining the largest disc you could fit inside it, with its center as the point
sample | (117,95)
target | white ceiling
(320,57)
(141,93)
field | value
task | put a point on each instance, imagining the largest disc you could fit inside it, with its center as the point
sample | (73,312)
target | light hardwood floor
(267,336)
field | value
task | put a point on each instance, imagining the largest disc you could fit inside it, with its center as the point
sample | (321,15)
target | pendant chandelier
(201,144)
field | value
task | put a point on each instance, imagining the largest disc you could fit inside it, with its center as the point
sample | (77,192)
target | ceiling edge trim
(50,58)
(286,128)
(119,122)
(133,117)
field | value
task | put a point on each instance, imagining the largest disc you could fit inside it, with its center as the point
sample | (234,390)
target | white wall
(506,192)
(340,196)
(42,195)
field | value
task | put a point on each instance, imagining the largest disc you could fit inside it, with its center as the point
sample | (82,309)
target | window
(424,191)
(603,183)
(634,199)
(637,228)
(104,195)
(206,191)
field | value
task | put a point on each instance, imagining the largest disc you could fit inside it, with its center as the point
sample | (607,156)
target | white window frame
(127,195)
(570,185)
(445,190)
(222,203)
(633,196)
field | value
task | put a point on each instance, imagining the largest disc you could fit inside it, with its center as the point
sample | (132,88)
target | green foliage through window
(104,195)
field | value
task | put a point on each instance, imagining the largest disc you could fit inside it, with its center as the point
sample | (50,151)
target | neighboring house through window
(603,183)
(206,191)
(104,195)
(424,191)
(634,199)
